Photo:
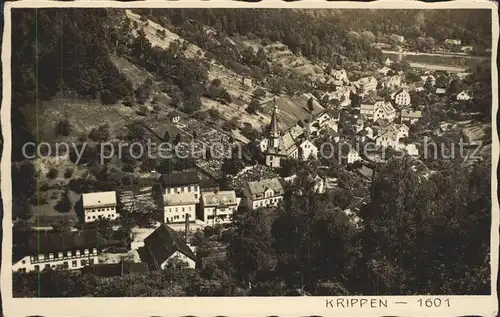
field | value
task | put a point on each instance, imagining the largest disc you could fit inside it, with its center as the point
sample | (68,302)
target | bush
(68,173)
(230,125)
(142,111)
(107,97)
(53,173)
(63,128)
(129,101)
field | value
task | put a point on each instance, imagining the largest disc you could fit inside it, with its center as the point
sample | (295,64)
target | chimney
(186,229)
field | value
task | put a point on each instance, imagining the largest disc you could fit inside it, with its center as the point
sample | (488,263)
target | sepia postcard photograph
(241,158)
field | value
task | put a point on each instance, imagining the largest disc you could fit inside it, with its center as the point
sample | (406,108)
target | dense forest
(472,26)
(315,38)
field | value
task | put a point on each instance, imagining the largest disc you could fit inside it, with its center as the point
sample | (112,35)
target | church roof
(273,130)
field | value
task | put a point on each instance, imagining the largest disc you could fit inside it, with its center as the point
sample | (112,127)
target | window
(182,189)
(69,253)
(23,262)
(65,264)
(37,268)
(83,262)
(189,189)
(22,270)
(182,208)
(74,263)
(168,190)
(77,252)
(91,261)
(47,266)
(94,251)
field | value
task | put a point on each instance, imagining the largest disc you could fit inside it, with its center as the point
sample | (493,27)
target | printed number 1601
(434,302)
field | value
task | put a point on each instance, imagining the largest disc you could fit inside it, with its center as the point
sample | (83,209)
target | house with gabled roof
(401,98)
(99,205)
(384,110)
(164,245)
(263,193)
(464,96)
(218,207)
(179,207)
(181,182)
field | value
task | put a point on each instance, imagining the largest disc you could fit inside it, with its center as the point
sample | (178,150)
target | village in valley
(325,134)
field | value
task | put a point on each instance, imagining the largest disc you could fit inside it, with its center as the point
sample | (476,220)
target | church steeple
(273,129)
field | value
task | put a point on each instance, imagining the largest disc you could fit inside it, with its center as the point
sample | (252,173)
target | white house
(398,38)
(440,91)
(178,206)
(308,150)
(390,135)
(247,82)
(100,205)
(384,70)
(401,98)
(69,250)
(463,96)
(218,207)
(165,245)
(319,184)
(466,49)
(370,133)
(453,42)
(353,156)
(264,193)
(384,110)
(392,82)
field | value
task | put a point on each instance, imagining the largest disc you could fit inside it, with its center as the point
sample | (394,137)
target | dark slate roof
(164,242)
(180,178)
(116,269)
(52,242)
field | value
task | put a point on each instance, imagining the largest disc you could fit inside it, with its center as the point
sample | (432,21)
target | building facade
(178,206)
(218,207)
(101,205)
(71,250)
(264,193)
(182,182)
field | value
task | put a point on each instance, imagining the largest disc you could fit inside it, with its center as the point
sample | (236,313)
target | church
(291,144)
